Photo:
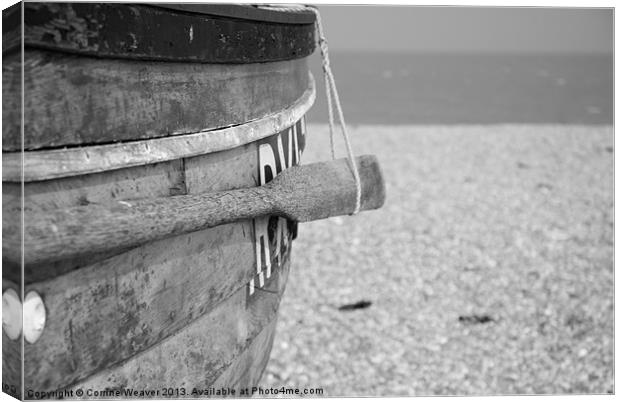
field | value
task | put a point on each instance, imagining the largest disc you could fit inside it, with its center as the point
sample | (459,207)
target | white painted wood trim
(51,164)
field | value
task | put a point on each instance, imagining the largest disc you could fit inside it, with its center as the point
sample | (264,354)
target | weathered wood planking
(11,28)
(146,181)
(264,13)
(236,168)
(12,362)
(11,199)
(196,356)
(111,310)
(301,193)
(247,368)
(57,163)
(101,95)
(74,100)
(11,354)
(144,32)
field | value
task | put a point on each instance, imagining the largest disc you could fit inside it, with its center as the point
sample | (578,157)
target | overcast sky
(416,28)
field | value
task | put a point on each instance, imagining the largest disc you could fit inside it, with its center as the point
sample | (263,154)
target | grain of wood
(185,359)
(106,312)
(232,34)
(235,168)
(103,309)
(71,100)
(57,163)
(301,193)
(146,181)
(246,370)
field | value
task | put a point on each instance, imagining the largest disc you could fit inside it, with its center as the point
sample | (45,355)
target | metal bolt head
(34,317)
(11,314)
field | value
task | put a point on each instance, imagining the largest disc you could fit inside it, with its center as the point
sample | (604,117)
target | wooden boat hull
(178,316)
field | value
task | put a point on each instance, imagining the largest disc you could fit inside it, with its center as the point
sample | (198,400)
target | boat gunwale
(250,12)
(57,163)
(117,30)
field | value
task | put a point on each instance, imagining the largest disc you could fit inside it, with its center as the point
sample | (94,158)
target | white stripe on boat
(43,165)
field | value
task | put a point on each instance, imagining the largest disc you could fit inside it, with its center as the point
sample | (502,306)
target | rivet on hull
(34,317)
(11,314)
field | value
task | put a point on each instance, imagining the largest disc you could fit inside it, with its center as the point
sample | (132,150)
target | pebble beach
(488,271)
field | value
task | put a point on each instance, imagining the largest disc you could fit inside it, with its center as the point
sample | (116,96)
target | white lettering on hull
(272,234)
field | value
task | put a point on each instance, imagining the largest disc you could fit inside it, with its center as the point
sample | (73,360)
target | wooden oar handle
(321,190)
(302,193)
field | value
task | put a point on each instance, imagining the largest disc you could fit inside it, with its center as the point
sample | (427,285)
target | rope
(332,95)
(330,112)
(332,91)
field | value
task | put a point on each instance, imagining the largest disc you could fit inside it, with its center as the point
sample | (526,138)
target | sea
(454,89)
